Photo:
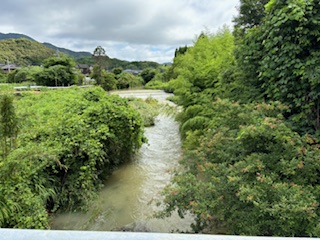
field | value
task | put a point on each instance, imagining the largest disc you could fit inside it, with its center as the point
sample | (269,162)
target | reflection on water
(130,195)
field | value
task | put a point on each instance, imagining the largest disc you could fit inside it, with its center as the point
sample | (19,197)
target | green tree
(100,57)
(251,13)
(200,70)
(117,71)
(57,71)
(180,50)
(289,68)
(244,83)
(24,74)
(148,74)
(109,81)
(282,54)
(128,80)
(63,61)
(8,125)
(103,78)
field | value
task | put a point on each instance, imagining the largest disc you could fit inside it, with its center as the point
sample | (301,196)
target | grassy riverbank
(68,142)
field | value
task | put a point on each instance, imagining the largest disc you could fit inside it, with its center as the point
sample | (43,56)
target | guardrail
(37,88)
(24,234)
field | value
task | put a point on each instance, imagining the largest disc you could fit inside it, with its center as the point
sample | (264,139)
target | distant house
(84,68)
(132,71)
(7,68)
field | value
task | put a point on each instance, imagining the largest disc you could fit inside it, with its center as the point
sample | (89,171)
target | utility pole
(57,53)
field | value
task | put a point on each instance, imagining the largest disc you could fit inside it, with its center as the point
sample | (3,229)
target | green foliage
(251,13)
(27,208)
(160,79)
(109,81)
(8,125)
(23,52)
(156,84)
(198,72)
(57,71)
(248,169)
(117,71)
(148,109)
(69,143)
(281,59)
(295,79)
(103,78)
(140,65)
(148,74)
(62,61)
(85,60)
(180,51)
(3,76)
(67,52)
(100,57)
(24,74)
(247,54)
(128,80)
(106,80)
(251,175)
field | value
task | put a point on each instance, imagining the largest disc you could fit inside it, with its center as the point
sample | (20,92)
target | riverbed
(128,199)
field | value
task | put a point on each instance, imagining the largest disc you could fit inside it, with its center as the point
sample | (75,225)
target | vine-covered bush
(69,143)
(250,174)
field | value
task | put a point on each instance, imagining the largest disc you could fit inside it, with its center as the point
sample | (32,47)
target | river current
(128,199)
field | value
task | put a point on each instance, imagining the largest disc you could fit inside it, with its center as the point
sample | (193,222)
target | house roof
(80,65)
(9,66)
(132,71)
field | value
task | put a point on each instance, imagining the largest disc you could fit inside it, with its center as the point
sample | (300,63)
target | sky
(132,30)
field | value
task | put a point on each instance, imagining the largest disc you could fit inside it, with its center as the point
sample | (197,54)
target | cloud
(129,29)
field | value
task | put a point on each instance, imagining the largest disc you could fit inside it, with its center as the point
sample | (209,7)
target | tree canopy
(57,71)
(23,52)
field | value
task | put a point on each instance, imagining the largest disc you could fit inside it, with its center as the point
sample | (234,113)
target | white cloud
(127,29)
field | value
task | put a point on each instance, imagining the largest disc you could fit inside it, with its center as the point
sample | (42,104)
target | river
(128,199)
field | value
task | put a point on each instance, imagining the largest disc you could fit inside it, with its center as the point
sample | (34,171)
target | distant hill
(67,51)
(4,36)
(14,35)
(23,52)
(117,63)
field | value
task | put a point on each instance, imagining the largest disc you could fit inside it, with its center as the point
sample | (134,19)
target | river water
(128,200)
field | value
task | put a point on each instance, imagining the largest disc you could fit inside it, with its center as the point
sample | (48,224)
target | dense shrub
(250,174)
(69,143)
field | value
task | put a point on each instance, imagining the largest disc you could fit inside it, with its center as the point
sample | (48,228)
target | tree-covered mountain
(71,53)
(23,52)
(67,51)
(14,35)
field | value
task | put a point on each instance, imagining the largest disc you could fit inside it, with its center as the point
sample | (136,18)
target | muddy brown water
(128,199)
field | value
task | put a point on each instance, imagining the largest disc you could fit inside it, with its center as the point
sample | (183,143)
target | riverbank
(129,198)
